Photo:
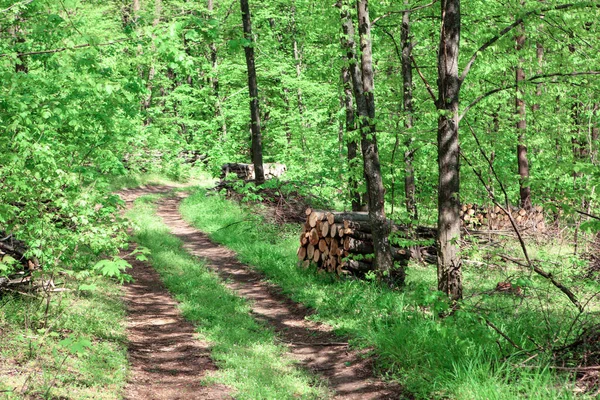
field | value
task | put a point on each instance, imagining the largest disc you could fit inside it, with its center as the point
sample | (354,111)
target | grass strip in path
(249,359)
(349,373)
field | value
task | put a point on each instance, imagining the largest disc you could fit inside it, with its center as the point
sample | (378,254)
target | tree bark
(375,190)
(407,86)
(449,262)
(523,162)
(352,80)
(351,143)
(214,79)
(257,158)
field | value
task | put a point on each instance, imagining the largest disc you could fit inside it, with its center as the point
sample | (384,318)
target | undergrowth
(77,350)
(247,353)
(460,356)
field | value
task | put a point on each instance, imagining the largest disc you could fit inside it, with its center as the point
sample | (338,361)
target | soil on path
(349,373)
(167,361)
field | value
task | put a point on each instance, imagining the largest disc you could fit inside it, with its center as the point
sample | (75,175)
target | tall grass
(458,357)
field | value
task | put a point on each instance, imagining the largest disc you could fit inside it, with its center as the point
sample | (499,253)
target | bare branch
(387,14)
(532,79)
(22,3)
(516,23)
(424,79)
(58,50)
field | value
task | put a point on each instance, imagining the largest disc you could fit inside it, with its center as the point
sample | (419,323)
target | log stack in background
(494,219)
(342,243)
(246,171)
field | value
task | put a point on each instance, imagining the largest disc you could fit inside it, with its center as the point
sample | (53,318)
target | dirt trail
(349,373)
(167,360)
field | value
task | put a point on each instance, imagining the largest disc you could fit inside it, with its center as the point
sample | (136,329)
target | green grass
(34,363)
(457,357)
(249,358)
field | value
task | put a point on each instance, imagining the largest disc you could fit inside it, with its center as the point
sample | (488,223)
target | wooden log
(324,229)
(351,216)
(314,237)
(333,247)
(301,253)
(358,246)
(310,251)
(303,239)
(314,217)
(322,245)
(316,255)
(305,264)
(358,234)
(333,228)
(363,226)
(357,266)
(330,218)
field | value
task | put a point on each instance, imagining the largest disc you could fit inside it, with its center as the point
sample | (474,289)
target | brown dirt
(167,361)
(348,372)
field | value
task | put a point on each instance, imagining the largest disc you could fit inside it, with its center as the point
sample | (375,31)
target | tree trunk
(375,190)
(215,77)
(523,162)
(253,90)
(352,85)
(449,262)
(407,86)
(351,143)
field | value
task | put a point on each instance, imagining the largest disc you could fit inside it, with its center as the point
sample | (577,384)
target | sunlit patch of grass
(34,363)
(247,353)
(196,176)
(458,357)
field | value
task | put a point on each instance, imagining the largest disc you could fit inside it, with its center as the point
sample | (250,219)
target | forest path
(349,373)
(167,360)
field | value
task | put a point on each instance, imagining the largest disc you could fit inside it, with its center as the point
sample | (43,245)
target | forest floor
(168,362)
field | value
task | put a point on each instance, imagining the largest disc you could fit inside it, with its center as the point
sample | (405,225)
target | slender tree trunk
(407,86)
(351,143)
(356,88)
(152,71)
(375,190)
(297,61)
(595,134)
(523,161)
(449,262)
(131,13)
(21,65)
(257,158)
(286,90)
(215,77)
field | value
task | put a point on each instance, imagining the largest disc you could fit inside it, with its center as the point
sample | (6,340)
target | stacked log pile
(494,219)
(342,243)
(246,171)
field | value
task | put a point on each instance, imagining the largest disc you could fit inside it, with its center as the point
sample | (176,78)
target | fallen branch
(505,336)
(550,277)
